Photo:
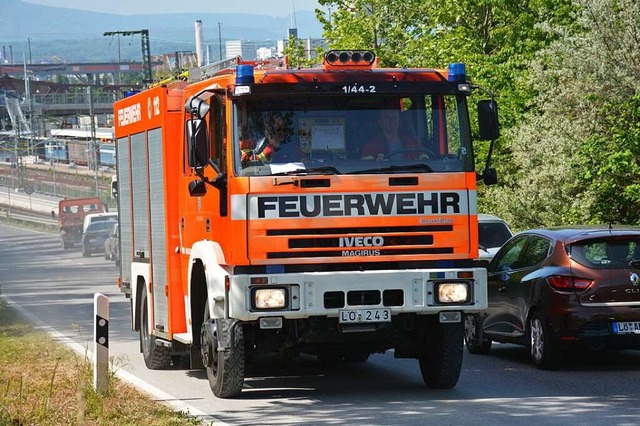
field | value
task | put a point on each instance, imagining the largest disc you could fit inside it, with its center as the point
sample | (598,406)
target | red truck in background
(71,213)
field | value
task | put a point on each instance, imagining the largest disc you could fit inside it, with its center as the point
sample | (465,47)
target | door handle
(502,289)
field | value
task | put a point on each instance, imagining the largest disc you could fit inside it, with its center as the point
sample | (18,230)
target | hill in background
(72,35)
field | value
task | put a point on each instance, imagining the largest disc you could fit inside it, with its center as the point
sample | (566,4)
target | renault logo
(634,279)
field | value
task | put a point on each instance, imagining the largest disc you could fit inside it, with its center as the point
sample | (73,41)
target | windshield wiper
(396,169)
(313,170)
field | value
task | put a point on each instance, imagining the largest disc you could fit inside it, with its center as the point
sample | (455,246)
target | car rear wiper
(313,170)
(396,169)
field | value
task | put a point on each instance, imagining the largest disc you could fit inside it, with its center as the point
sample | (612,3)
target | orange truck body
(286,257)
(71,214)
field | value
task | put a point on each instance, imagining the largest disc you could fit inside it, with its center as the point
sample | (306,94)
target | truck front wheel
(441,359)
(222,347)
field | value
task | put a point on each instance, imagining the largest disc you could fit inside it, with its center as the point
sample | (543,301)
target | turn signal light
(350,57)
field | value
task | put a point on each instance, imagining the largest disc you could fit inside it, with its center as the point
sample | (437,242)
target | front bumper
(313,294)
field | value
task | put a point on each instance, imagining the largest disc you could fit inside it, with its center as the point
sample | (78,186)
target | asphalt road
(57,288)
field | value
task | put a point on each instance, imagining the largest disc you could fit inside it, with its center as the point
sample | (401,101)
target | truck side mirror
(197,188)
(490,176)
(488,120)
(198,143)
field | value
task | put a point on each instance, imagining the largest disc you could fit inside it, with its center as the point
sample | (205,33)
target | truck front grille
(337,299)
(339,242)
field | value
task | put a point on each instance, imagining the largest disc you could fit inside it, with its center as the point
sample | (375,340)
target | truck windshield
(338,135)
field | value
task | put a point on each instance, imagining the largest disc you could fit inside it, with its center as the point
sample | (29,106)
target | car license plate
(630,327)
(350,316)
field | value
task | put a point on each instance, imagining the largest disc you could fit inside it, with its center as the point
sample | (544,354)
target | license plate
(350,316)
(630,327)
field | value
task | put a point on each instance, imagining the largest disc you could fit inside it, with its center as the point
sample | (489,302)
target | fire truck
(237,243)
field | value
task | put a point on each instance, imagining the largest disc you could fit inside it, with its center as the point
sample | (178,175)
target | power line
(146,51)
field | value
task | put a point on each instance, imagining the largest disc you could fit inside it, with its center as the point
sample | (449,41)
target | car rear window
(606,253)
(100,226)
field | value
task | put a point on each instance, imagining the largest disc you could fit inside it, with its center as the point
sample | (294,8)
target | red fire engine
(272,210)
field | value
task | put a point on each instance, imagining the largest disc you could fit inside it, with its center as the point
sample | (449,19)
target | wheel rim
(469,328)
(145,330)
(214,351)
(537,339)
(209,346)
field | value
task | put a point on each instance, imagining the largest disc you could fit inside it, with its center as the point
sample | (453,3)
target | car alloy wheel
(545,353)
(537,340)
(473,339)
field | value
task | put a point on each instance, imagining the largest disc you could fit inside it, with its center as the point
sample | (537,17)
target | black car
(94,237)
(552,288)
(112,245)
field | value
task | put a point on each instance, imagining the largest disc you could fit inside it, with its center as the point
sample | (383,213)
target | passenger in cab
(390,143)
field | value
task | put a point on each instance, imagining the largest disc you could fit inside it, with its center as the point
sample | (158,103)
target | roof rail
(212,68)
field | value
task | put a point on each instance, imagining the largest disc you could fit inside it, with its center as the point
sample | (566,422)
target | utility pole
(93,144)
(146,51)
(220,38)
(119,61)
(29,43)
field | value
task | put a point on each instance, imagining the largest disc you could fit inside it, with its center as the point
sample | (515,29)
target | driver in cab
(390,143)
(262,150)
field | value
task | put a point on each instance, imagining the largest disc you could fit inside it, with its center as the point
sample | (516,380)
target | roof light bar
(350,57)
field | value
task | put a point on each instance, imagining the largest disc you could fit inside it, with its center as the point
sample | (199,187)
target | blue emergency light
(457,72)
(244,74)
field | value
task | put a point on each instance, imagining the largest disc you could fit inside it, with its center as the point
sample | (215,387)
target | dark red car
(551,288)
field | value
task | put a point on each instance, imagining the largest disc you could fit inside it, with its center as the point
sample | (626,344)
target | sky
(137,7)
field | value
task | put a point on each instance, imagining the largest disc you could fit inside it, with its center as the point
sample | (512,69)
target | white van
(493,232)
(99,217)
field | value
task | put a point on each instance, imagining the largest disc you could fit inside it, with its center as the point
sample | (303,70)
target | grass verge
(45,383)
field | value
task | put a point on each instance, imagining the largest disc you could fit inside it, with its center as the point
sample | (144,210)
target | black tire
(225,370)
(155,357)
(545,353)
(475,342)
(441,359)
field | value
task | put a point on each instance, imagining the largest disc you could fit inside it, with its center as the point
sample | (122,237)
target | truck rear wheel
(225,368)
(441,359)
(155,357)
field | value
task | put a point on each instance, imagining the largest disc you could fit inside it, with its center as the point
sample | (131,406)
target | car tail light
(562,282)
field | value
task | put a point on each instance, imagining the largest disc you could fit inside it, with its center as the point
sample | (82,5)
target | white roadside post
(101,342)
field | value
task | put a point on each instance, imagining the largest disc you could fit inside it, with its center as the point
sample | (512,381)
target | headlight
(452,292)
(270,298)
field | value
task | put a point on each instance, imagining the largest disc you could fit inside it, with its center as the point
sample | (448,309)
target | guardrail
(27,220)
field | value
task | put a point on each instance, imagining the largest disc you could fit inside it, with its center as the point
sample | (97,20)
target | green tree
(576,156)
(294,50)
(497,39)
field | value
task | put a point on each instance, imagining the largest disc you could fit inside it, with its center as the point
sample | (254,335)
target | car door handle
(502,289)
